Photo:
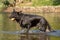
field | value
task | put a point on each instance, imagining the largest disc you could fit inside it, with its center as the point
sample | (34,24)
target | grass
(41,2)
(45,2)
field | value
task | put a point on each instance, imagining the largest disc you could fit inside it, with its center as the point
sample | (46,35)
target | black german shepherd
(28,21)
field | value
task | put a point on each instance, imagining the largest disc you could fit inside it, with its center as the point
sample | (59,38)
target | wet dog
(28,21)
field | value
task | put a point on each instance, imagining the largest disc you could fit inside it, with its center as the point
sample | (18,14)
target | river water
(10,30)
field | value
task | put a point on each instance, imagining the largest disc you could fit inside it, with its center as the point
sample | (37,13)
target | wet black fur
(28,21)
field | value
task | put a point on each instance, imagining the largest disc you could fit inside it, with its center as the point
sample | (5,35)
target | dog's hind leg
(50,29)
(42,27)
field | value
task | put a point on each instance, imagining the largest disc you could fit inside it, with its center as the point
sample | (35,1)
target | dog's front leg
(22,30)
(28,28)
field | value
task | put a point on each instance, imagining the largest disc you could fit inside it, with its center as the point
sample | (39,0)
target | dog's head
(14,15)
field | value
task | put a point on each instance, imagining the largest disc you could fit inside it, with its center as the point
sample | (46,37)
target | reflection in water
(34,36)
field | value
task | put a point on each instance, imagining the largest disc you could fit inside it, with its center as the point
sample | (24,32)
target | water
(53,33)
(10,30)
(33,34)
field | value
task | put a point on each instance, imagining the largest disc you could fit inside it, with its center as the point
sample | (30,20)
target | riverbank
(41,9)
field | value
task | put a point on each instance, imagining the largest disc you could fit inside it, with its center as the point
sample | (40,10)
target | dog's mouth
(12,19)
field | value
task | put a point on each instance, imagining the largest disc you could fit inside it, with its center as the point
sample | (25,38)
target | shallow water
(53,33)
(33,34)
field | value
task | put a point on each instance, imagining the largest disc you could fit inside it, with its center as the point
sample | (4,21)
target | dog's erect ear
(13,10)
(18,13)
(21,12)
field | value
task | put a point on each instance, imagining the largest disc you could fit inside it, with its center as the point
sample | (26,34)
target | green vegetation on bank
(42,2)
(38,2)
(46,2)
